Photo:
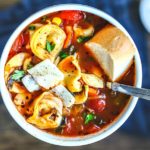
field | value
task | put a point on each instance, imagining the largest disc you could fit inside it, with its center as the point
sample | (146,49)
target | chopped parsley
(89,117)
(17,75)
(81,39)
(63,55)
(49,46)
(31,27)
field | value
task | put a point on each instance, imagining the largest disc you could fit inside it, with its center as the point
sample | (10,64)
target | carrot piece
(69,32)
(92,92)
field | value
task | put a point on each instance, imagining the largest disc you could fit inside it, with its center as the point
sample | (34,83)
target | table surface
(12,137)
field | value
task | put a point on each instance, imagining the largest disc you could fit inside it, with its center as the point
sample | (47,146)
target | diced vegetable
(98,105)
(17,45)
(57,21)
(89,118)
(92,80)
(31,27)
(17,75)
(74,125)
(63,55)
(69,32)
(49,46)
(72,15)
(82,39)
(22,98)
(91,128)
(92,92)
(17,88)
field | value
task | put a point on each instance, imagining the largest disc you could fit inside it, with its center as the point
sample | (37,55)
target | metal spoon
(129,90)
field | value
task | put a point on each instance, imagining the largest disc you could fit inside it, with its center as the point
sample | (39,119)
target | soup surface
(55,81)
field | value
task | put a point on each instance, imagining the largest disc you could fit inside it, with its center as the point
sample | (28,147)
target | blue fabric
(139,121)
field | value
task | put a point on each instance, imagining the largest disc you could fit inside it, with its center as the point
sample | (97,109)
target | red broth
(104,104)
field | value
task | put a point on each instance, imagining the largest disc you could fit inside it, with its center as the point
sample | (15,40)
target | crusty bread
(113,50)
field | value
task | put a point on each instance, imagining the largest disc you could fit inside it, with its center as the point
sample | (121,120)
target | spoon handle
(130,90)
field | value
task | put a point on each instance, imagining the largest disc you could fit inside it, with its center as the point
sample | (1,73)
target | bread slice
(113,51)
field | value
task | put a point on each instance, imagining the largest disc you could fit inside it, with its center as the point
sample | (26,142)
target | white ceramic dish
(53,139)
(144,11)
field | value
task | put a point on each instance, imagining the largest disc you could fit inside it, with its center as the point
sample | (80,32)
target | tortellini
(82,96)
(51,33)
(14,62)
(72,72)
(87,31)
(93,80)
(47,111)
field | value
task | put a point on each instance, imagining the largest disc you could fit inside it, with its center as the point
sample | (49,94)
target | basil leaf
(81,39)
(49,46)
(31,27)
(63,55)
(17,75)
(89,118)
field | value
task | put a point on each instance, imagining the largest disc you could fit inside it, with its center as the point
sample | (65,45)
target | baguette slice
(113,50)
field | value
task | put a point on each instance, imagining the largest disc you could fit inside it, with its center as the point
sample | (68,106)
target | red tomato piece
(73,126)
(21,40)
(72,15)
(91,128)
(98,105)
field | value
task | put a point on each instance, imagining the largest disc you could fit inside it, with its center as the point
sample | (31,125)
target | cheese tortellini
(47,111)
(51,33)
(14,62)
(72,72)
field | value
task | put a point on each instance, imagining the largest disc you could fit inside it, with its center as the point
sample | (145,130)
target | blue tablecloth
(124,12)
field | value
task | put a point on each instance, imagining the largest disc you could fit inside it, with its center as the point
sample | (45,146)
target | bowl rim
(47,137)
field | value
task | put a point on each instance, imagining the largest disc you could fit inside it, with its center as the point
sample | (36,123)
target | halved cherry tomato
(98,105)
(72,15)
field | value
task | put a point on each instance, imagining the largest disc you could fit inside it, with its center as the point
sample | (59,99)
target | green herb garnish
(63,55)
(49,46)
(17,75)
(31,27)
(81,39)
(89,118)
(43,19)
(29,66)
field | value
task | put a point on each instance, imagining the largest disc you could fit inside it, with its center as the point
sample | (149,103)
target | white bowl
(59,140)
